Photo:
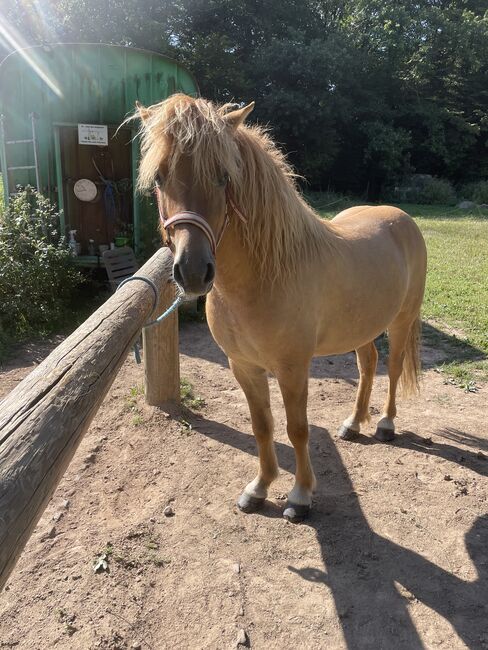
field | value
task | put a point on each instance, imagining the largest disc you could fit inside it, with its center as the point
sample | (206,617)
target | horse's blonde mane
(281,227)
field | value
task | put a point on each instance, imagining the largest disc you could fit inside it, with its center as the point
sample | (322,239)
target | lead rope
(177,302)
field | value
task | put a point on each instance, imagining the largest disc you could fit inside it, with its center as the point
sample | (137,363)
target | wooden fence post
(161,356)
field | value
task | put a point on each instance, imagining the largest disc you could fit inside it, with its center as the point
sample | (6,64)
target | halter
(195,219)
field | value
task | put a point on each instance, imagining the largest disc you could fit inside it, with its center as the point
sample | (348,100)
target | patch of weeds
(137,420)
(461,375)
(187,428)
(126,562)
(188,397)
(130,404)
(137,390)
(152,544)
(158,560)
(134,393)
(101,562)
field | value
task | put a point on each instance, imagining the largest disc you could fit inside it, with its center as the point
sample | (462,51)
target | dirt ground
(394,556)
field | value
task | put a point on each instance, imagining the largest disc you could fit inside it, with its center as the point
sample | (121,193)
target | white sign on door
(93,134)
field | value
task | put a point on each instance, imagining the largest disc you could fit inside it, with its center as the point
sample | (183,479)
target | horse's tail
(409,379)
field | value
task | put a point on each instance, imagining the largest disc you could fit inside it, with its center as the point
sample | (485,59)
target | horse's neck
(242,262)
(235,268)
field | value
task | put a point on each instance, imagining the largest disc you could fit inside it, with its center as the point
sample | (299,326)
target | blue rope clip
(177,302)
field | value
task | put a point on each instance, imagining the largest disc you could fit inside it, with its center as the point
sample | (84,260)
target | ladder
(9,143)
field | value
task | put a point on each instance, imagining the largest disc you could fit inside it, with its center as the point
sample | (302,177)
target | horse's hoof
(347,434)
(295,512)
(384,435)
(248,503)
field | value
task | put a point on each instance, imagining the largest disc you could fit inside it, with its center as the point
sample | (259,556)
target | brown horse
(283,285)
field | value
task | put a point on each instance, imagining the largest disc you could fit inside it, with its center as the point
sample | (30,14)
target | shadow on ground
(372,579)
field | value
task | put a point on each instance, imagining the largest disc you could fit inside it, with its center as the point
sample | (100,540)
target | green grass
(188,397)
(456,296)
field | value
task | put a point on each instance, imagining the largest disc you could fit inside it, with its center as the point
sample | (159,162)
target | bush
(37,273)
(423,188)
(438,191)
(476,192)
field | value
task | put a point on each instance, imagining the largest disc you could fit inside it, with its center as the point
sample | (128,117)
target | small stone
(428,440)
(241,638)
(57,516)
(152,520)
(103,438)
(168,511)
(237,567)
(156,472)
(89,459)
(481,455)
(447,477)
(136,646)
(50,534)
(65,503)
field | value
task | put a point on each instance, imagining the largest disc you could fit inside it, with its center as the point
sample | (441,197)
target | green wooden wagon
(60,106)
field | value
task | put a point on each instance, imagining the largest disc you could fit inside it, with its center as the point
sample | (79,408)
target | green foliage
(437,191)
(359,92)
(188,397)
(422,188)
(476,192)
(37,275)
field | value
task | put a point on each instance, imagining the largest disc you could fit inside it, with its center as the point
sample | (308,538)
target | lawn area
(456,297)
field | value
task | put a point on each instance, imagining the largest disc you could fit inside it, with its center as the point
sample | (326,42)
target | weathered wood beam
(43,420)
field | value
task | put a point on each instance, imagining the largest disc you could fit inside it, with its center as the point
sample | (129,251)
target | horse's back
(382,223)
(360,216)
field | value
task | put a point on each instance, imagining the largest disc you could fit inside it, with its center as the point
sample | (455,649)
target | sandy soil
(394,556)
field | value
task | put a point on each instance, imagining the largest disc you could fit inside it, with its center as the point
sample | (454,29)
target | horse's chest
(238,328)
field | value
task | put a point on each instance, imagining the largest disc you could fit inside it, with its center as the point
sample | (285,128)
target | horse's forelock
(184,125)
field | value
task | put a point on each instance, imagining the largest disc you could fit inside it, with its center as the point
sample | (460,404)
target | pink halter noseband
(195,219)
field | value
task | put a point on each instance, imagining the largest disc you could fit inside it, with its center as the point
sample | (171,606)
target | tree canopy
(359,92)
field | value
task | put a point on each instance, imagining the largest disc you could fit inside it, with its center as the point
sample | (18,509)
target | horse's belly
(359,315)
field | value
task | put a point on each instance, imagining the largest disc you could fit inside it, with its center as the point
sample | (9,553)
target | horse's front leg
(254,382)
(293,383)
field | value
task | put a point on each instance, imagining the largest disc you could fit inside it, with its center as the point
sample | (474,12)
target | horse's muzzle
(194,277)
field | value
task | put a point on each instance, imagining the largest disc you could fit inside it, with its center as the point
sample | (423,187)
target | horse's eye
(224,179)
(158,180)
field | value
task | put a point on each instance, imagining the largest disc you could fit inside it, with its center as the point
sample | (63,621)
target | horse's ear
(237,117)
(144,113)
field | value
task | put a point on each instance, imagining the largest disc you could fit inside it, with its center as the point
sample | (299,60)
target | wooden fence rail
(43,420)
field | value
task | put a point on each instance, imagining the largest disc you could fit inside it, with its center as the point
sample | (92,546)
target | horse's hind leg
(367,359)
(402,340)
(293,383)
(254,383)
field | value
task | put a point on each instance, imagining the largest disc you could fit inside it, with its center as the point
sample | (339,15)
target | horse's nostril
(177,274)
(210,274)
